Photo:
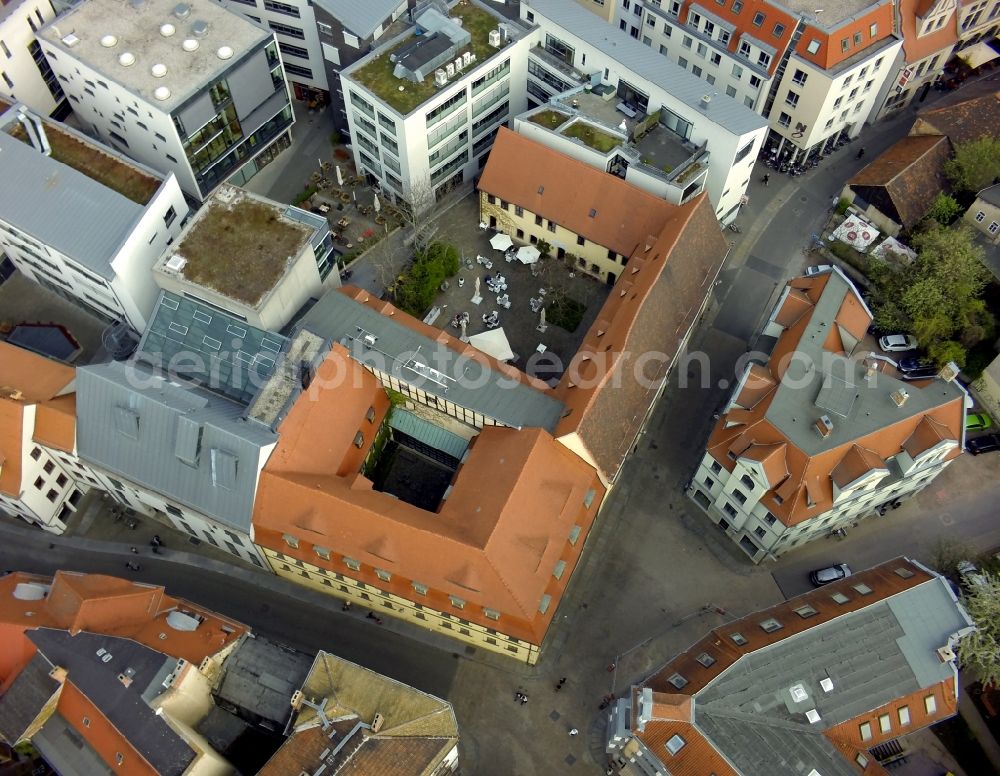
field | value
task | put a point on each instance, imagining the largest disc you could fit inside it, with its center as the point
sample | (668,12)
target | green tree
(944,209)
(980,650)
(947,350)
(975,165)
(937,296)
(543,247)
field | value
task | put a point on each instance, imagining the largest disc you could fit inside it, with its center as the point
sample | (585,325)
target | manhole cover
(554,716)
(803,199)
(570,759)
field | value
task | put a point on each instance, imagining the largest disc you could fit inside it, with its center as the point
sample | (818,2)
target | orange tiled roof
(649,311)
(562,189)
(55,423)
(830,52)
(808,490)
(919,47)
(774,13)
(115,607)
(969,114)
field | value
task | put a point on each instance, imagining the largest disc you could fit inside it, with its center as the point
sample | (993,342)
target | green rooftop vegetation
(550,119)
(240,250)
(107,170)
(592,136)
(377,75)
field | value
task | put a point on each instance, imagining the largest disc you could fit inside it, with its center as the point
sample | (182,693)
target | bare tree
(418,215)
(504,220)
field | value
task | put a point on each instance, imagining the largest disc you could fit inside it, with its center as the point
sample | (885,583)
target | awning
(528,254)
(979,54)
(501,241)
(493,342)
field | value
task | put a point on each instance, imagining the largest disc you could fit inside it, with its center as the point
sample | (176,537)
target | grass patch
(377,74)
(96,165)
(959,739)
(550,119)
(592,136)
(240,250)
(565,313)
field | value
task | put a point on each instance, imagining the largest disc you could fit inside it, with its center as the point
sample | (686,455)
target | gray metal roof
(647,63)
(216,350)
(873,655)
(818,382)
(361,18)
(66,751)
(429,433)
(133,422)
(25,697)
(430,366)
(123,706)
(260,676)
(63,208)
(991,195)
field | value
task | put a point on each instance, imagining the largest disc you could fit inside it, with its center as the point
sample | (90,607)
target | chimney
(824,426)
(706,99)
(377,722)
(946,654)
(899,397)
(645,708)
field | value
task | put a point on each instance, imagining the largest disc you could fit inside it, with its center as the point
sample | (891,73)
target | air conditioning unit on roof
(494,38)
(440,77)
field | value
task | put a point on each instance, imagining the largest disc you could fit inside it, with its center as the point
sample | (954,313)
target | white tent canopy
(501,241)
(856,233)
(493,342)
(978,54)
(528,254)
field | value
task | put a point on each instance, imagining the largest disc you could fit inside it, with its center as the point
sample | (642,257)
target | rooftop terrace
(404,96)
(831,14)
(110,171)
(237,245)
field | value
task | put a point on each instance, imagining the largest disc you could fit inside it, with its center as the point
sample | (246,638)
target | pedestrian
(517,697)
(562,681)
(135,550)
(156,540)
(524,699)
(574,732)
(370,615)
(346,607)
(766,178)
(861,152)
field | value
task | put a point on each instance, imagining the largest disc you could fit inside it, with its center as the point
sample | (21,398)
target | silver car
(829,574)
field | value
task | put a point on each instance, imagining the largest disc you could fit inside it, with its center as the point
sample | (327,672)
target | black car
(986,443)
(911,363)
(923,373)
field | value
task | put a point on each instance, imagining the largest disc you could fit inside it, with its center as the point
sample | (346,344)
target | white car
(818,269)
(897,343)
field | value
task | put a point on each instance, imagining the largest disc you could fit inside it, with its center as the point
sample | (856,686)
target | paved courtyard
(524,282)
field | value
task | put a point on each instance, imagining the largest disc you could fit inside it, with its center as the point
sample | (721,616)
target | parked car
(825,576)
(970,574)
(818,269)
(910,363)
(986,443)
(897,343)
(923,373)
(977,421)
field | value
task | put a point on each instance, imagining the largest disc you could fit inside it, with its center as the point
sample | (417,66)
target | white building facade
(90,239)
(419,153)
(190,88)
(25,74)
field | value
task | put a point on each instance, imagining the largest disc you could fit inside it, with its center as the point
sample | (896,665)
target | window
(758,19)
(729,509)
(738,495)
(716,467)
(538,220)
(696,71)
(994,227)
(61,480)
(322,552)
(770,519)
(419,588)
(705,659)
(930,704)
(861,760)
(543,605)
(290,540)
(865,729)
(702,50)
(792,98)
(883,723)
(724,36)
(518,210)
(873,31)
(755,82)
(457,602)
(49,466)
(805,611)
(862,588)
(737,71)
(682,62)
(770,625)
(738,639)
(581,240)
(715,59)
(352,564)
(784,119)
(491,614)
(686,41)
(744,50)
(737,6)
(813,46)
(845,44)
(52,496)
(674,744)
(904,715)
(840,598)
(903,572)
(760,532)
(836,103)
(677,681)
(551,226)
(857,39)
(36,452)
(382,574)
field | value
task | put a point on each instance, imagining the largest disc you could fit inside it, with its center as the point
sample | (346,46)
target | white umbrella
(340,176)
(528,254)
(493,342)
(376,204)
(501,241)
(856,233)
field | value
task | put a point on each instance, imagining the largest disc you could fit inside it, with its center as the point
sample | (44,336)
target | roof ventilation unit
(161,93)
(199,29)
(225,52)
(109,41)
(190,44)
(826,684)
(182,10)
(158,70)
(494,38)
(70,40)
(798,693)
(167,30)
(949,372)
(459,64)
(450,69)
(824,426)
(899,397)
(126,59)
(175,263)
(813,716)
(440,77)
(706,100)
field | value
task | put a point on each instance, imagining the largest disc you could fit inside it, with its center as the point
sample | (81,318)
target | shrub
(418,286)
(944,209)
(335,138)
(543,247)
(303,195)
(842,205)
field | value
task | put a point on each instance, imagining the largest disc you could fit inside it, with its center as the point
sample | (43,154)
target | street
(655,574)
